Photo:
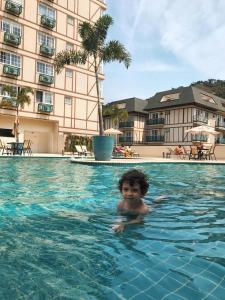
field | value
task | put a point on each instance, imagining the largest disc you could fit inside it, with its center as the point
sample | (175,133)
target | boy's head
(135,177)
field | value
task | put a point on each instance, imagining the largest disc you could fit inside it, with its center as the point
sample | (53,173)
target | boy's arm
(121,226)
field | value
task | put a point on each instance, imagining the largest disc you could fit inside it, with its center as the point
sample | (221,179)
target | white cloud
(191,30)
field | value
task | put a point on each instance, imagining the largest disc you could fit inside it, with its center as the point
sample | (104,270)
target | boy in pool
(133,186)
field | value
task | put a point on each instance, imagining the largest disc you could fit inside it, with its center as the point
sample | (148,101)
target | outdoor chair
(85,151)
(27,147)
(210,153)
(5,148)
(79,150)
(193,152)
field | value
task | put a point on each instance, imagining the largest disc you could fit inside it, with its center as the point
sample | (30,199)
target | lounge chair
(85,151)
(79,150)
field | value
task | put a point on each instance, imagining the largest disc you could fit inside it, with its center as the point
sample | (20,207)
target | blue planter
(103,147)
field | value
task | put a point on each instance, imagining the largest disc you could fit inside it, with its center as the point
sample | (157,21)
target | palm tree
(18,98)
(115,113)
(93,40)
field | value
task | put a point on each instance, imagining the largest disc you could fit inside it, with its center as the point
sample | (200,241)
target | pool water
(56,240)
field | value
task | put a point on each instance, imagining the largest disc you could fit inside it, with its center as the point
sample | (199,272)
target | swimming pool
(56,240)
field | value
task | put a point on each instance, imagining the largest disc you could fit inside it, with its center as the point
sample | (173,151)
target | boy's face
(131,192)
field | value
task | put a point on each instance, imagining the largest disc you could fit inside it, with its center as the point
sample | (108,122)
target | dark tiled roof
(132,104)
(188,95)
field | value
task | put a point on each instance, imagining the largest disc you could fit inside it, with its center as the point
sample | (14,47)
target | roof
(187,95)
(132,104)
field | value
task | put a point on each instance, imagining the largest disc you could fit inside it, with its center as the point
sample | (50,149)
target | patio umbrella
(203,129)
(113,131)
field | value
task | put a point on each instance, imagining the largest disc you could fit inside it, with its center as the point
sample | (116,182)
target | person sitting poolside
(179,150)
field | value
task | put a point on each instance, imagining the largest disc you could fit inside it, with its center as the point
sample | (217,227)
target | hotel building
(32,32)
(167,115)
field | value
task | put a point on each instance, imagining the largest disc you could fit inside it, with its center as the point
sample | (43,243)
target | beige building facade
(32,32)
(164,118)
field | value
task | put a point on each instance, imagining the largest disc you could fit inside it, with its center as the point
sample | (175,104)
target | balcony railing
(199,138)
(47,22)
(155,138)
(8,102)
(220,140)
(46,50)
(12,39)
(11,70)
(13,7)
(126,124)
(200,119)
(127,139)
(220,124)
(45,108)
(158,121)
(46,79)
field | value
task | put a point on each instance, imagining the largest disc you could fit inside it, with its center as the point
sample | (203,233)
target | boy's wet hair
(133,177)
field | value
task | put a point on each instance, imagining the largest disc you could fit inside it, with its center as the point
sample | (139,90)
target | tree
(115,113)
(93,40)
(16,99)
(214,86)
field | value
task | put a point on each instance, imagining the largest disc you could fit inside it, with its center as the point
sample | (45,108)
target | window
(170,97)
(207,98)
(68,100)
(10,59)
(43,68)
(44,39)
(46,11)
(121,105)
(70,20)
(11,27)
(69,73)
(44,97)
(69,46)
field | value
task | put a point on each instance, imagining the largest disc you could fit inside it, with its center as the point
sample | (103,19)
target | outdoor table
(16,148)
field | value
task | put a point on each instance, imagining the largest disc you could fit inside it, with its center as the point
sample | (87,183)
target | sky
(172,43)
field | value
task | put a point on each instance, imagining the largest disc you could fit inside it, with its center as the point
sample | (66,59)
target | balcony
(11,70)
(127,139)
(8,102)
(46,79)
(200,119)
(46,50)
(199,138)
(47,22)
(12,39)
(220,140)
(155,138)
(220,125)
(126,124)
(13,7)
(157,121)
(45,108)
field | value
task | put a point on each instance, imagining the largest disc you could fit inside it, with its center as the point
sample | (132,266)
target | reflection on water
(56,239)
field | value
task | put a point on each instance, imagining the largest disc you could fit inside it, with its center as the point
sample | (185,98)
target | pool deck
(144,160)
(117,161)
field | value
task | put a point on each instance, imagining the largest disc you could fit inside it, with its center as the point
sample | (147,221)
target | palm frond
(101,27)
(9,90)
(69,57)
(115,51)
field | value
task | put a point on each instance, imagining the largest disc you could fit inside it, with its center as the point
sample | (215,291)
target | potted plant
(93,40)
